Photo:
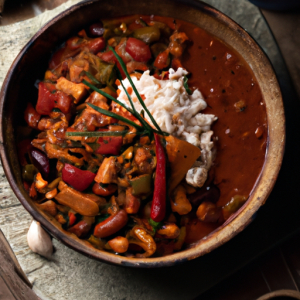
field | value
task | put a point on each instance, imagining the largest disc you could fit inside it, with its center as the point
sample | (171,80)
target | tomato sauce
(225,79)
(233,95)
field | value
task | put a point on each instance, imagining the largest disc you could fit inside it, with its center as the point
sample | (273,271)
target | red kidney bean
(210,193)
(96,29)
(81,228)
(96,45)
(111,225)
(41,162)
(104,191)
(208,212)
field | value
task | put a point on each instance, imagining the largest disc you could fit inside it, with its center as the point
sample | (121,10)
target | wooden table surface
(55,280)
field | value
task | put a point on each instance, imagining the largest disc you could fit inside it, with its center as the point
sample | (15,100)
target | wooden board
(13,282)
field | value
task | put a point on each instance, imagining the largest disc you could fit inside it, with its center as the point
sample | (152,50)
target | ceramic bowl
(32,61)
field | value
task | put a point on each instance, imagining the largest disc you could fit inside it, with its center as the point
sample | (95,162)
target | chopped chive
(136,114)
(113,115)
(91,77)
(186,86)
(106,95)
(96,133)
(134,88)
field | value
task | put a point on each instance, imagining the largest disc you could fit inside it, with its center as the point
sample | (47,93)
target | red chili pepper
(78,179)
(109,144)
(158,207)
(72,218)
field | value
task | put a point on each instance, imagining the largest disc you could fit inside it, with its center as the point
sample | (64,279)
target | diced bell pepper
(77,178)
(109,144)
(141,185)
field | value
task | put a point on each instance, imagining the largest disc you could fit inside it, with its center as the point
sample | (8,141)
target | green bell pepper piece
(141,185)
(28,172)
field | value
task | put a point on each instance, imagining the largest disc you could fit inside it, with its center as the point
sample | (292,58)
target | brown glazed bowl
(32,61)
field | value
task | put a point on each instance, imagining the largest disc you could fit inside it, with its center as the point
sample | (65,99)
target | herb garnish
(186,86)
(141,130)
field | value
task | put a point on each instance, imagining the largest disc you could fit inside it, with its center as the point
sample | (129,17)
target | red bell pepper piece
(78,179)
(50,98)
(46,100)
(63,102)
(72,218)
(109,144)
(158,207)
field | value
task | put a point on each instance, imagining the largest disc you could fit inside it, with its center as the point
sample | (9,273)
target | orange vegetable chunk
(181,156)
(77,90)
(79,202)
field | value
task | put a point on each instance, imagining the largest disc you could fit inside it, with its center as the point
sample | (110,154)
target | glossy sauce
(226,82)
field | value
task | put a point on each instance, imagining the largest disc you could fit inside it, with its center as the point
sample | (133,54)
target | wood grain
(13,282)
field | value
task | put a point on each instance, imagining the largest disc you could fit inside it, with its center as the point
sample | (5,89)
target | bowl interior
(32,62)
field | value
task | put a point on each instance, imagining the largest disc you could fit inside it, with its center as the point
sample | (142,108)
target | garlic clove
(39,240)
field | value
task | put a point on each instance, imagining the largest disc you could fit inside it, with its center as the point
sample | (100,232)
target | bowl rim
(225,232)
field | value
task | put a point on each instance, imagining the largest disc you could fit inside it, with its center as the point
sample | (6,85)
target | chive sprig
(142,129)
